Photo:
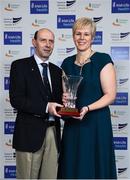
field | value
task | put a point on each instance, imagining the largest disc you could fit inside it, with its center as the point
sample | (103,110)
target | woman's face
(83,38)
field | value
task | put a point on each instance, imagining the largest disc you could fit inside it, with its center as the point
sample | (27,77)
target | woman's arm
(108,84)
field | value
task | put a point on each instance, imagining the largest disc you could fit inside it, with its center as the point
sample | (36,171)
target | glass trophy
(70,86)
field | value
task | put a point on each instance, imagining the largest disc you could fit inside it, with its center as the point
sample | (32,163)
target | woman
(87,150)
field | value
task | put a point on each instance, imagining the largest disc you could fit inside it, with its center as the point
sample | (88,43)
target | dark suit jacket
(28,95)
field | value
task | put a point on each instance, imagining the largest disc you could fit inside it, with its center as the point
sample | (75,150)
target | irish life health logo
(9,127)
(65,21)
(10,171)
(121,99)
(98,38)
(120,53)
(120,6)
(39,7)
(12,38)
(120,143)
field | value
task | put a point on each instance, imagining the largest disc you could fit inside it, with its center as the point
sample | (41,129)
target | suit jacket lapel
(53,76)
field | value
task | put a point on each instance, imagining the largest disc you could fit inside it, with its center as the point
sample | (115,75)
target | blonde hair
(83,22)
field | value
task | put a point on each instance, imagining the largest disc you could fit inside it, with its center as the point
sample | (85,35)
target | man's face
(44,44)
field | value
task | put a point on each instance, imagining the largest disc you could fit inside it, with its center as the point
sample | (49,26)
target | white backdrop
(18,22)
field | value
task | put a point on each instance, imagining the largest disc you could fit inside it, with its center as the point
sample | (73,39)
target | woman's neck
(83,57)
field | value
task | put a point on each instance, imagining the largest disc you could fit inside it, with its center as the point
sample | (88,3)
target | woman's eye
(78,34)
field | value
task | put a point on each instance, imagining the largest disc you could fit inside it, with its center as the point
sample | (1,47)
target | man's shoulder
(56,67)
(22,60)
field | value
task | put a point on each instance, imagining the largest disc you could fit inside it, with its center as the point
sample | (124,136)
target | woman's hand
(83,111)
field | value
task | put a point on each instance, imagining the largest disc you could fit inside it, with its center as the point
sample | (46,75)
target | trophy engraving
(70,86)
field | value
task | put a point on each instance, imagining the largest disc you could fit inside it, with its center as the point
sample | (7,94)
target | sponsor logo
(124,35)
(11,53)
(6,69)
(39,7)
(98,38)
(66,5)
(10,157)
(65,51)
(64,37)
(122,81)
(121,171)
(120,6)
(120,37)
(97,19)
(120,143)
(70,3)
(122,84)
(9,153)
(117,113)
(10,113)
(9,171)
(114,114)
(121,128)
(11,7)
(120,53)
(119,22)
(12,22)
(65,21)
(12,38)
(9,127)
(68,50)
(8,143)
(38,22)
(6,83)
(121,99)
(92,6)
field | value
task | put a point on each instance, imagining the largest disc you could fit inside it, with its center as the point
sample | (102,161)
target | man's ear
(34,43)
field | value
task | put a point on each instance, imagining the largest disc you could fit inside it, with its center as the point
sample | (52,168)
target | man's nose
(47,43)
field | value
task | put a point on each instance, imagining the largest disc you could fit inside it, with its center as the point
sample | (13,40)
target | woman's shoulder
(101,55)
(69,60)
(100,59)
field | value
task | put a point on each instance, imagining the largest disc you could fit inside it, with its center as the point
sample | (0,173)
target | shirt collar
(39,61)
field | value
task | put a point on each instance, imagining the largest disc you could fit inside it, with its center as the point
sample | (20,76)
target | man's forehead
(45,32)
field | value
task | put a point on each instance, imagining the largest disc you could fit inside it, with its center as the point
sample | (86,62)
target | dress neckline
(81,67)
(90,59)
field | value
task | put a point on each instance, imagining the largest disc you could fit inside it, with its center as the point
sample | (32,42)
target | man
(37,128)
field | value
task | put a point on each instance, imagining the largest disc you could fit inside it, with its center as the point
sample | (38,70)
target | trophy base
(66,111)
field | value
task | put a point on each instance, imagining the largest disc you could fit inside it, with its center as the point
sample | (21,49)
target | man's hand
(52,108)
